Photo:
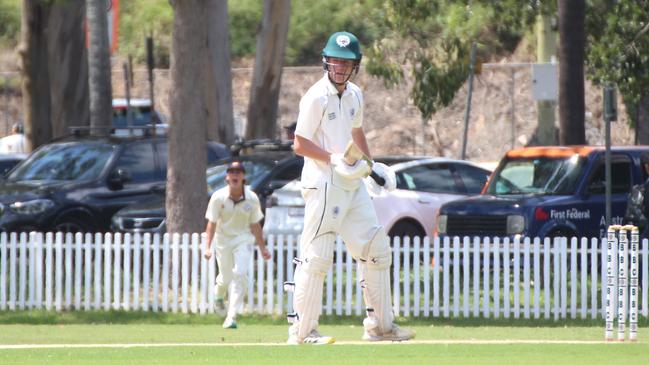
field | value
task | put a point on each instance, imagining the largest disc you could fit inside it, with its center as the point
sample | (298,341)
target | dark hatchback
(77,184)
(265,172)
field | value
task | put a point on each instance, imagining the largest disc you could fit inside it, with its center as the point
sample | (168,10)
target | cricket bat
(353,154)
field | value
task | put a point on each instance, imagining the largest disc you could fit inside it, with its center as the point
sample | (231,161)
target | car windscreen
(256,170)
(69,161)
(538,175)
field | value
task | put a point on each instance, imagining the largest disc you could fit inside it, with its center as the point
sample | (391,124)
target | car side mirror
(117,178)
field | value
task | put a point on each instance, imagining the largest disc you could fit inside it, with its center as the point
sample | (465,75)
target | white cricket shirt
(327,120)
(233,219)
(14,143)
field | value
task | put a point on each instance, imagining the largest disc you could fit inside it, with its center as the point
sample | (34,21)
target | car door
(421,190)
(434,185)
(140,178)
(595,195)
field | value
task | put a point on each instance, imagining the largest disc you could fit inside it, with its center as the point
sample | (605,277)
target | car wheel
(72,225)
(561,233)
(406,229)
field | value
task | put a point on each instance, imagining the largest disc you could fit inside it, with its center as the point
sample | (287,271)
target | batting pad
(375,279)
(309,282)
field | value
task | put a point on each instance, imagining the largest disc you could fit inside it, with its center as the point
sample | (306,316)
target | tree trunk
(68,66)
(546,40)
(186,186)
(35,80)
(642,123)
(267,74)
(99,67)
(571,72)
(218,74)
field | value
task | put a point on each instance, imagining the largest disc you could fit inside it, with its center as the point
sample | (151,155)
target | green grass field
(138,338)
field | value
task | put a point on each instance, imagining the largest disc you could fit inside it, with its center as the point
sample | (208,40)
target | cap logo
(343,40)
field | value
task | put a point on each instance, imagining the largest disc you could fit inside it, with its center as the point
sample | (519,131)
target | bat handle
(377,178)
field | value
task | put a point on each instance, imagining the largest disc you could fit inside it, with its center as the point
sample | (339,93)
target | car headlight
(515,224)
(35,206)
(441,223)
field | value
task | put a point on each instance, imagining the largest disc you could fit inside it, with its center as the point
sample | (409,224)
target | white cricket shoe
(395,334)
(314,338)
(230,322)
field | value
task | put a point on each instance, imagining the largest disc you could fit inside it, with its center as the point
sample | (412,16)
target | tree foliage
(308,29)
(245,17)
(138,20)
(618,47)
(432,39)
(9,22)
(313,21)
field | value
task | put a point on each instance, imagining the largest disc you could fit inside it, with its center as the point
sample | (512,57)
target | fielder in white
(337,202)
(233,224)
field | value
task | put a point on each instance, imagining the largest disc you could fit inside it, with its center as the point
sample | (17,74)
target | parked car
(9,160)
(266,171)
(142,116)
(423,185)
(547,192)
(78,183)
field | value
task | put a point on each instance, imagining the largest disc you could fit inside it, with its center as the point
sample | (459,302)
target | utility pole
(546,50)
(610,115)
(467,112)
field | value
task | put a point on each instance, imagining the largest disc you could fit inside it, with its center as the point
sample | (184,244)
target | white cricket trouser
(331,210)
(233,273)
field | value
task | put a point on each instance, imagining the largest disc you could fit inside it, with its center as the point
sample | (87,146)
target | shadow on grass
(39,317)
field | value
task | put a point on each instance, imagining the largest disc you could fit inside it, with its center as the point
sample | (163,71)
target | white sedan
(423,185)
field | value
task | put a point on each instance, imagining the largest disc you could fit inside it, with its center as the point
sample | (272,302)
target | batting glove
(356,171)
(387,173)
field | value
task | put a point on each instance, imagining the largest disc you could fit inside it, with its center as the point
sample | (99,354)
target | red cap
(236,166)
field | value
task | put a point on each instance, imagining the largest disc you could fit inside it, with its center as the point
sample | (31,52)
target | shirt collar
(331,88)
(243,196)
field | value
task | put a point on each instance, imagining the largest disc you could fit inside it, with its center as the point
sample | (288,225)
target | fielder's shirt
(233,219)
(14,143)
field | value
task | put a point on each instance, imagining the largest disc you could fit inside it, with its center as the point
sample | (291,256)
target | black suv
(76,184)
(269,166)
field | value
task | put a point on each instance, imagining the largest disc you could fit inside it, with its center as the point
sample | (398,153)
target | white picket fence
(484,277)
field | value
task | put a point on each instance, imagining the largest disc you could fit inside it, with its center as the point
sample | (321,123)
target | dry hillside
(392,123)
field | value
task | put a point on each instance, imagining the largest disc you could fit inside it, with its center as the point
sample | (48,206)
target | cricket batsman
(233,223)
(330,136)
